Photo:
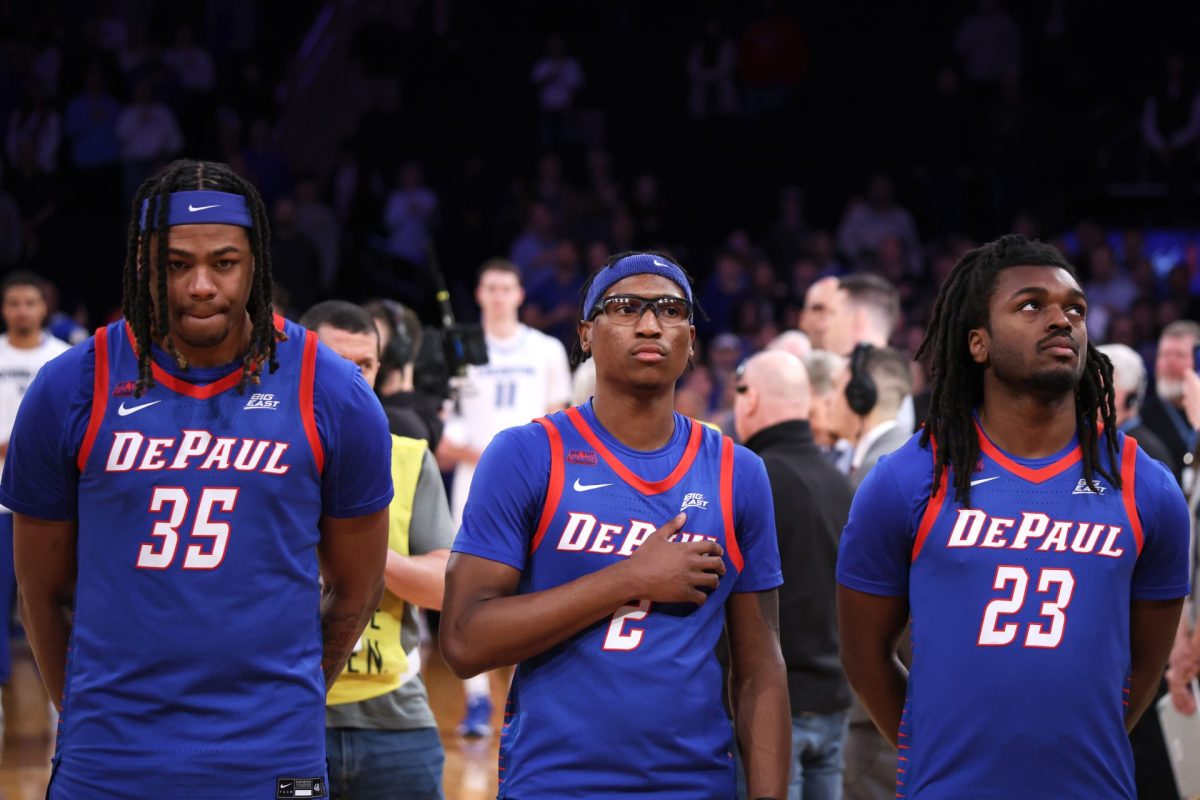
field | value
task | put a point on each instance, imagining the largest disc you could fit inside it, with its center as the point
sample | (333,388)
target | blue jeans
(384,765)
(817,756)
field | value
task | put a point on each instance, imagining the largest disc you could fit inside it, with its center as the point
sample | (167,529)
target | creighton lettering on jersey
(194,659)
(1020,608)
(631,704)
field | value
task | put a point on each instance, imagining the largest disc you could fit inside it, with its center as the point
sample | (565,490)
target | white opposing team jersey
(526,376)
(18,366)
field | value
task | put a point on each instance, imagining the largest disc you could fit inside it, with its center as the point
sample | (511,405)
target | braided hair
(578,356)
(140,298)
(957,387)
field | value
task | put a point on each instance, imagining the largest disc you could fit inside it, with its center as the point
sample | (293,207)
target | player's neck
(504,328)
(639,423)
(1026,425)
(24,340)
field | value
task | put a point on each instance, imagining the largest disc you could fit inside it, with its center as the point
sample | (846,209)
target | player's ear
(585,336)
(978,344)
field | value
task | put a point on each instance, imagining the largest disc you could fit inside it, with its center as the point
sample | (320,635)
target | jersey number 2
(618,638)
(1036,635)
(160,554)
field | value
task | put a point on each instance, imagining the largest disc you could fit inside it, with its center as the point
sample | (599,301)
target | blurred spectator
(149,135)
(1163,411)
(648,211)
(266,167)
(710,62)
(552,190)
(552,301)
(874,430)
(557,76)
(785,242)
(294,258)
(533,250)
(1129,386)
(793,342)
(410,412)
(1171,125)
(37,198)
(1108,287)
(988,42)
(192,63)
(868,222)
(36,124)
(723,292)
(823,366)
(316,220)
(409,215)
(772,59)
(820,306)
(91,123)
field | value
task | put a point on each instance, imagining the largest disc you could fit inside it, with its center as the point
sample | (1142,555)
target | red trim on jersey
(99,398)
(1040,475)
(731,542)
(644,486)
(934,507)
(1128,475)
(200,391)
(554,489)
(308,378)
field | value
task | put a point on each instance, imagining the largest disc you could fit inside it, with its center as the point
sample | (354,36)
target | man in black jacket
(812,501)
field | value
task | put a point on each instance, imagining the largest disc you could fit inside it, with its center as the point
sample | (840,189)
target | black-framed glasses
(627,309)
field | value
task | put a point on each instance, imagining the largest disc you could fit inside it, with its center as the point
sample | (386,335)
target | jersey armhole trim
(308,376)
(1129,450)
(934,507)
(731,542)
(554,490)
(99,398)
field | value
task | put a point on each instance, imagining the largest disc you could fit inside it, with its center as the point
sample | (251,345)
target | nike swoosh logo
(587,487)
(984,480)
(660,263)
(193,208)
(125,412)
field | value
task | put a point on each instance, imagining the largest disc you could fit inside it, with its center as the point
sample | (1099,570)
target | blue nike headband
(203,208)
(636,264)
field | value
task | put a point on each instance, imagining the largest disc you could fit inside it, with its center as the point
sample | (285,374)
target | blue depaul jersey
(631,705)
(194,661)
(1020,613)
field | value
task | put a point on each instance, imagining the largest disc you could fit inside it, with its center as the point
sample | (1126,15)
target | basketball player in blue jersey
(201,495)
(1038,553)
(603,549)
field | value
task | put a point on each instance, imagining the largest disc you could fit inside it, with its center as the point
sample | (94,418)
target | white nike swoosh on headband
(660,263)
(201,208)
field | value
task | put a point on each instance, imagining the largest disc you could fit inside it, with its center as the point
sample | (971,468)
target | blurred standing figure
(24,348)
(526,376)
(812,501)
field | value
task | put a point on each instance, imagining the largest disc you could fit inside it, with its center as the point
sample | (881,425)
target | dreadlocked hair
(578,356)
(138,303)
(957,386)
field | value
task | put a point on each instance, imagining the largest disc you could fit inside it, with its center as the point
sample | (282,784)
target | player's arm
(1152,628)
(485,624)
(758,690)
(352,555)
(450,454)
(419,580)
(44,560)
(871,627)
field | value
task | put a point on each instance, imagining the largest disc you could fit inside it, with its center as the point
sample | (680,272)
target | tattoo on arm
(339,634)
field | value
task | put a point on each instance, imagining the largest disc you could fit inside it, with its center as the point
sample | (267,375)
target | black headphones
(861,393)
(399,349)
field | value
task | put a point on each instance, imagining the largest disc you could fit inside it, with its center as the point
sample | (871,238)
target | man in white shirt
(24,348)
(527,375)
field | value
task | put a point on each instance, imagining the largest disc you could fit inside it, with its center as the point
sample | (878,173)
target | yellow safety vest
(379,664)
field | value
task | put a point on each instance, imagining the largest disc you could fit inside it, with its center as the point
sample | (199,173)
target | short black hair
(23,277)
(341,315)
(498,265)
